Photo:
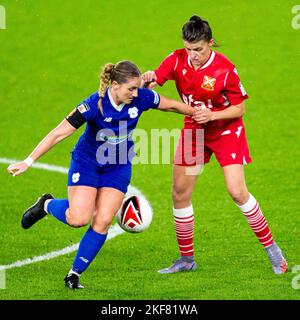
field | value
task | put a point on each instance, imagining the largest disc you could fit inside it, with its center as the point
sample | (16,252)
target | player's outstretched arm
(62,131)
(171,105)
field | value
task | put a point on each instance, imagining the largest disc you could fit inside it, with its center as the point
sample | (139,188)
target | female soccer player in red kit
(207,80)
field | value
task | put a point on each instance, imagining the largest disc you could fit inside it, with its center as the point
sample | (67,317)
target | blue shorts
(83,173)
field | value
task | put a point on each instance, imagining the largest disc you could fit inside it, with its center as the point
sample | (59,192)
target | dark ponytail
(196,30)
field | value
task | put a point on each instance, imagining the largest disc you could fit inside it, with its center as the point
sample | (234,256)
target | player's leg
(189,160)
(112,185)
(78,212)
(82,205)
(35,212)
(45,204)
(75,211)
(236,186)
(108,202)
(82,182)
(232,151)
(182,190)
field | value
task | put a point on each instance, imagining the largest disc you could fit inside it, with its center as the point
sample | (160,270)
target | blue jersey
(107,138)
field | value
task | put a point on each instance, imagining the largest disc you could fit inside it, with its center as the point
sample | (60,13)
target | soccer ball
(135,214)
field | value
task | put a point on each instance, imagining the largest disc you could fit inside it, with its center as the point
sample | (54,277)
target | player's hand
(17,168)
(147,78)
(202,115)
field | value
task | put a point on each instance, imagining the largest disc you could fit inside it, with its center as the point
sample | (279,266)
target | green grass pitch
(50,56)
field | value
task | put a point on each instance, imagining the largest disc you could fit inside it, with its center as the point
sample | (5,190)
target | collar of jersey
(206,64)
(117,107)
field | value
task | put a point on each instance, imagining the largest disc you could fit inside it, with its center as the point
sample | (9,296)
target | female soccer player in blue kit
(100,169)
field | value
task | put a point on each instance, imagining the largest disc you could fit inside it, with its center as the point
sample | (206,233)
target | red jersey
(215,85)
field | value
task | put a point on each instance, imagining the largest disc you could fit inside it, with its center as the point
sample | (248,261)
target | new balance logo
(84,260)
(108,119)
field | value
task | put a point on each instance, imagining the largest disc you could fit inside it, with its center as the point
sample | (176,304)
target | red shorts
(229,146)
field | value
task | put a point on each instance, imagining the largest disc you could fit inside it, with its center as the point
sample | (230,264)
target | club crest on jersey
(133,112)
(75,177)
(208,83)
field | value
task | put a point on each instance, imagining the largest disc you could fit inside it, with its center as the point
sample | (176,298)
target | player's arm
(163,73)
(171,105)
(61,132)
(231,112)
(204,115)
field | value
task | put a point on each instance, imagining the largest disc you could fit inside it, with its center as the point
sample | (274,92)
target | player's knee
(180,194)
(78,218)
(77,223)
(176,195)
(102,225)
(239,195)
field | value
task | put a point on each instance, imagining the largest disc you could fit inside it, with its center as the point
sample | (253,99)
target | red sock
(184,227)
(257,221)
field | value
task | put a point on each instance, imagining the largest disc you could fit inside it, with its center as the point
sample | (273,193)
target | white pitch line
(114,231)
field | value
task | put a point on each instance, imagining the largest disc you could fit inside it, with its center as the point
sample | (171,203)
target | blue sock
(89,246)
(57,208)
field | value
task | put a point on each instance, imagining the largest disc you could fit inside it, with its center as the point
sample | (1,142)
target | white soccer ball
(135,214)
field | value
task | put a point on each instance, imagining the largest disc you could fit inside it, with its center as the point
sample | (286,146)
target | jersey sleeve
(89,107)
(166,69)
(148,99)
(234,89)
